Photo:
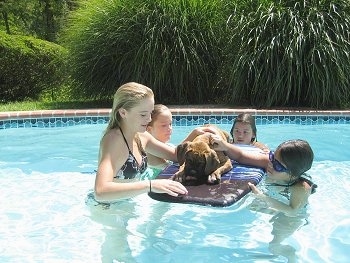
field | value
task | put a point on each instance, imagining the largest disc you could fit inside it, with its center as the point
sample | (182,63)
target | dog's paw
(177,177)
(214,178)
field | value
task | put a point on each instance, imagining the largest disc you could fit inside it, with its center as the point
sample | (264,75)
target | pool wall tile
(183,116)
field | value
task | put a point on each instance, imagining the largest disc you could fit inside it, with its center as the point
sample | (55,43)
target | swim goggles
(277,166)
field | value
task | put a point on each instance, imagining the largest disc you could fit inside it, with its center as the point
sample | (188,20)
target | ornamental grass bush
(289,53)
(259,53)
(172,46)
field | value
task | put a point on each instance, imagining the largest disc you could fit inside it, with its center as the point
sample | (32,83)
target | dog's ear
(211,163)
(227,135)
(181,150)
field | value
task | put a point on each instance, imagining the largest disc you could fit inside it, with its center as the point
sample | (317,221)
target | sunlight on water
(47,215)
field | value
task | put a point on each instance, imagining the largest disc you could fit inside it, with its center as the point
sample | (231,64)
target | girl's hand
(209,129)
(168,186)
(255,190)
(218,143)
(205,129)
(199,131)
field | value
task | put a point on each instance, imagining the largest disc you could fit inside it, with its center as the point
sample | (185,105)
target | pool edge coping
(176,110)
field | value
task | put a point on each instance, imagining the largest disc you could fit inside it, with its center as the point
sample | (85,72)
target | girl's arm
(238,154)
(112,156)
(111,161)
(298,198)
(158,148)
(261,146)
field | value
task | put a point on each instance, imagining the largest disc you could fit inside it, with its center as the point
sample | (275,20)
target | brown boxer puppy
(199,162)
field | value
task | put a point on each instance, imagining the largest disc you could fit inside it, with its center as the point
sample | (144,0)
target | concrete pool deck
(176,110)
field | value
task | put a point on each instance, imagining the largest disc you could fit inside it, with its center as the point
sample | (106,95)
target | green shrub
(28,67)
(289,53)
(173,46)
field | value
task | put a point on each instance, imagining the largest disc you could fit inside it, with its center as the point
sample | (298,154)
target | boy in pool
(160,127)
(285,168)
(244,131)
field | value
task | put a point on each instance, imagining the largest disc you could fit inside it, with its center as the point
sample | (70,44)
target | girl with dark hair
(286,167)
(244,131)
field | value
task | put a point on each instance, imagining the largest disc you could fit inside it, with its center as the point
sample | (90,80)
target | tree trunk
(6,21)
(49,22)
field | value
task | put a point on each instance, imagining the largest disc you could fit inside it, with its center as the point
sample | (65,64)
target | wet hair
(297,155)
(127,96)
(158,109)
(245,118)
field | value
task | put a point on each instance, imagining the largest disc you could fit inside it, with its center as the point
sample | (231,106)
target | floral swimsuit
(131,169)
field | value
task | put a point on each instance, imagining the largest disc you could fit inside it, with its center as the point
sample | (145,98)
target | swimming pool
(47,173)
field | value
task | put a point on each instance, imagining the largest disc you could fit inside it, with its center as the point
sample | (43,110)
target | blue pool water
(47,173)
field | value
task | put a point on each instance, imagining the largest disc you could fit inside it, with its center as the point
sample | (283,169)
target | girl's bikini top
(304,178)
(308,179)
(131,169)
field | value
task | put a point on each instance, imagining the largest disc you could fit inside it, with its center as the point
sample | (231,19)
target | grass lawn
(53,105)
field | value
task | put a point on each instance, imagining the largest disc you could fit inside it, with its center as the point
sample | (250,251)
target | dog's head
(199,161)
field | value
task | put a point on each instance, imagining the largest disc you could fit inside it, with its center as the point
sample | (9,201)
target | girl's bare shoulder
(302,187)
(112,137)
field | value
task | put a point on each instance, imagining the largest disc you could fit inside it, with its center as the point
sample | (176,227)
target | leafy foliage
(39,18)
(262,53)
(28,67)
